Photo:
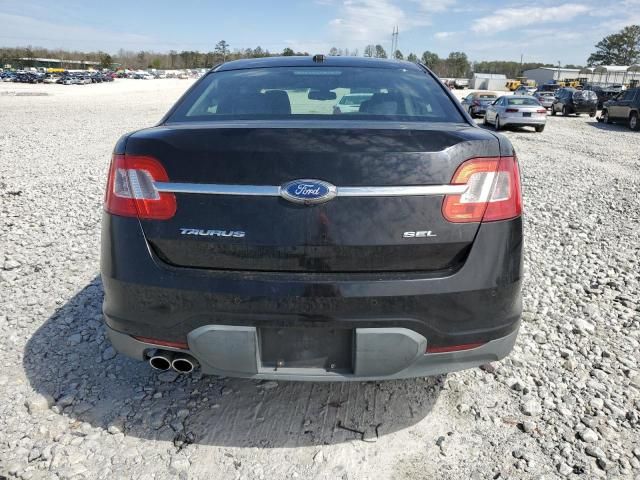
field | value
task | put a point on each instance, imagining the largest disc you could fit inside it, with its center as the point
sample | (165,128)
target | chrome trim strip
(219,189)
(405,191)
(274,191)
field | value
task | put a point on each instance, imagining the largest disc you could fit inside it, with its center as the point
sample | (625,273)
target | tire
(592,114)
(539,128)
(471,114)
(634,122)
(553,111)
(497,125)
(565,111)
(605,116)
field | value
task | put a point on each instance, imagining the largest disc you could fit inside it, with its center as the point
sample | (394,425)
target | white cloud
(23,30)
(360,22)
(512,18)
(431,6)
(444,35)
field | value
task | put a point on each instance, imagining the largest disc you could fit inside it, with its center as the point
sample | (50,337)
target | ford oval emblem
(308,191)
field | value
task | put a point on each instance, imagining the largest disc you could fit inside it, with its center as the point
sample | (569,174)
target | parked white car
(525,90)
(516,110)
(351,103)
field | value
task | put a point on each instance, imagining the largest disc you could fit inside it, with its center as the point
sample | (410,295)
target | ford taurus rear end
(257,231)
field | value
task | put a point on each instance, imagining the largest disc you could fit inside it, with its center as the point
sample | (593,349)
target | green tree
(222,50)
(398,55)
(105,60)
(622,48)
(412,57)
(430,59)
(369,51)
(458,64)
(333,52)
(380,52)
(288,52)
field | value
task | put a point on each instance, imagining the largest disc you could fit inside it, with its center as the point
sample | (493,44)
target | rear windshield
(318,92)
(523,101)
(487,97)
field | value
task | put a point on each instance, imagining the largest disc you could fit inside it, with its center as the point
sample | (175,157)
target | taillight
(512,110)
(131,191)
(493,191)
(541,110)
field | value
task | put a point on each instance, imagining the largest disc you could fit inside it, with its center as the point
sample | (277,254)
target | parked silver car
(516,110)
(545,98)
(476,103)
(525,90)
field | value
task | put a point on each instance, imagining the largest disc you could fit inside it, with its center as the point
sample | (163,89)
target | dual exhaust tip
(164,360)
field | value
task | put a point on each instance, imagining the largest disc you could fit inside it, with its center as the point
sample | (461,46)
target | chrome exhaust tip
(184,363)
(161,361)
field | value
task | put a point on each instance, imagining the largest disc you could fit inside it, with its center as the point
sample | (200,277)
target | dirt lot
(566,403)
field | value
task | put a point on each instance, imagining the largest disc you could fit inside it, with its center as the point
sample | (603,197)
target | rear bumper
(379,354)
(523,121)
(479,303)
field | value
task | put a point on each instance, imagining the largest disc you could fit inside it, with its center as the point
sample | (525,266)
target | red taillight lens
(493,191)
(453,348)
(131,190)
(512,110)
(163,343)
(542,110)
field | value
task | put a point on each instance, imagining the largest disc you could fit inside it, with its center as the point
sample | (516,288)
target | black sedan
(253,232)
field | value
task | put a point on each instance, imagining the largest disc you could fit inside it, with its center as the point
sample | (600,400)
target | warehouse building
(544,75)
(55,63)
(488,81)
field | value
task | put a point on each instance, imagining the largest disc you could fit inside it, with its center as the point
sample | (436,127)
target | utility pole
(394,41)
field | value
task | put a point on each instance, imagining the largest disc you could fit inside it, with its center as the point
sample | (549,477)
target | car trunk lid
(374,232)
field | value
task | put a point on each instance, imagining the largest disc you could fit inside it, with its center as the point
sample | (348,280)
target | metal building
(488,81)
(544,75)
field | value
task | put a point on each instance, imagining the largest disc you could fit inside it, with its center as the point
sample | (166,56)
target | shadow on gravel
(612,127)
(69,358)
(491,128)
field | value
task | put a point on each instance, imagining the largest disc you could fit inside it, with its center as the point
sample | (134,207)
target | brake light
(493,191)
(453,348)
(162,343)
(131,191)
(512,110)
(541,110)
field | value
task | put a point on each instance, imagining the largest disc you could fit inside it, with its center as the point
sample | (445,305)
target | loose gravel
(565,404)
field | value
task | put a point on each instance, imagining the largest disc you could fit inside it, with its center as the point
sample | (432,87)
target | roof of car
(307,61)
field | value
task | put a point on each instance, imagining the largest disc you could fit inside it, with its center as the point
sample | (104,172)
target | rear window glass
(523,101)
(318,92)
(487,97)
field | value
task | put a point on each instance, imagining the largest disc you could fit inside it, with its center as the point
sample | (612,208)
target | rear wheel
(471,112)
(539,128)
(565,111)
(592,114)
(605,116)
(553,110)
(497,123)
(634,124)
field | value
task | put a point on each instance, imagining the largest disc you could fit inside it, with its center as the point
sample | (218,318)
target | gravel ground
(565,404)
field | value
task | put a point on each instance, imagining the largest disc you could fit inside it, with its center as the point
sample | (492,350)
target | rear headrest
(384,104)
(273,102)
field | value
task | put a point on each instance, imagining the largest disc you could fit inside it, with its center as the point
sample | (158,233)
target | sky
(541,31)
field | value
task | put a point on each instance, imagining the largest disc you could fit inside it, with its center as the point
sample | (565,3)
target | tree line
(622,48)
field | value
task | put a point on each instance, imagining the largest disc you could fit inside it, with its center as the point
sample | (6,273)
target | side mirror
(321,95)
